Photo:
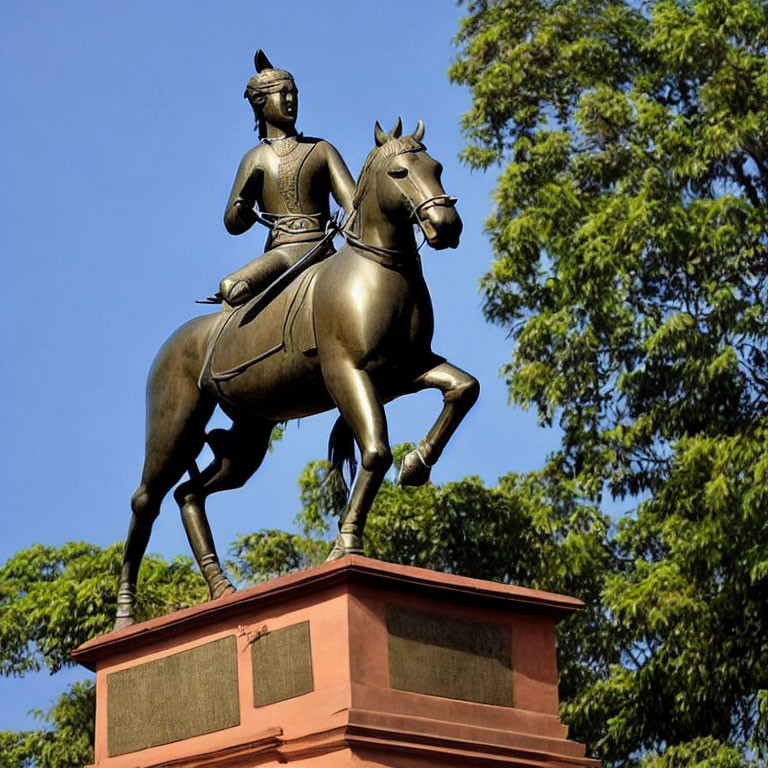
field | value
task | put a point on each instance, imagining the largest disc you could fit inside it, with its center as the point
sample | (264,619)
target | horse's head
(407,186)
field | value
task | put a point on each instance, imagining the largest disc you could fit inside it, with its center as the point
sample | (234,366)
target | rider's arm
(239,215)
(342,183)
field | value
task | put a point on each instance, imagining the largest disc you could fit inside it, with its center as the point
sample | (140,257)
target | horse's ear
(380,135)
(261,62)
(418,134)
(397,130)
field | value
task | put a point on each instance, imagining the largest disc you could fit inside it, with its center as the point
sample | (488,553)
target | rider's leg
(256,275)
(460,391)
(238,453)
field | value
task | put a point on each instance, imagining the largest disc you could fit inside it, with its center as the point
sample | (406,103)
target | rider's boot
(239,286)
(235,292)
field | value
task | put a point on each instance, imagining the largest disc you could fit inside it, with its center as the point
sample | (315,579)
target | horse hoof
(413,471)
(222,589)
(336,553)
(122,622)
(345,544)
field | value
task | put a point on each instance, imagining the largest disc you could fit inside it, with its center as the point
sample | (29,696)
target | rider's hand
(246,214)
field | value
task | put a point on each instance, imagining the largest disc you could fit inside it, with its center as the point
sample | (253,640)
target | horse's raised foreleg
(238,453)
(360,405)
(460,391)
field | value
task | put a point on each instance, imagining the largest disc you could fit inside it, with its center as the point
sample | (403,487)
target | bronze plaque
(184,695)
(444,656)
(282,665)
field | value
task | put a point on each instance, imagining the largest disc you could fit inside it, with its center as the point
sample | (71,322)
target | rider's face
(282,107)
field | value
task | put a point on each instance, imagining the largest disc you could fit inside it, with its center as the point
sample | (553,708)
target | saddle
(285,324)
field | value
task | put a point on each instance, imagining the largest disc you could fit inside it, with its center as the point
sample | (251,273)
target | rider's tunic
(291,234)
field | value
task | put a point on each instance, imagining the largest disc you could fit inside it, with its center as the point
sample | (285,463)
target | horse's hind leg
(174,440)
(238,453)
(460,391)
(177,412)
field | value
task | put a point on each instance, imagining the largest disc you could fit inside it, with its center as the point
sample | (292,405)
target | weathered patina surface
(353,331)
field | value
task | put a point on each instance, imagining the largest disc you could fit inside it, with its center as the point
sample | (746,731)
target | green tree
(630,233)
(67,743)
(52,599)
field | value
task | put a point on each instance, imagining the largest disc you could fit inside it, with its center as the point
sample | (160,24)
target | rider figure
(288,177)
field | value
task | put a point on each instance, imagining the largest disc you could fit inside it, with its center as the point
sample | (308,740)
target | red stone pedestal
(354,663)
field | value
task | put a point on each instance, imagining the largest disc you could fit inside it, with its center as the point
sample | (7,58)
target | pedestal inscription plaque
(441,655)
(183,695)
(282,665)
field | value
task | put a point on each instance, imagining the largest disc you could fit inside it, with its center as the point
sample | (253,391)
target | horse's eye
(398,173)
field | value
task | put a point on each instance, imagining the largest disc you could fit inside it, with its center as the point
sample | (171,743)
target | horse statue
(352,331)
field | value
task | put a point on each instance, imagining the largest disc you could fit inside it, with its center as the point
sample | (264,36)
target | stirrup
(217,298)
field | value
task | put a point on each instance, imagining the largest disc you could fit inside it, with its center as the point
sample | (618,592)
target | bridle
(427,202)
(427,227)
(399,258)
(448,201)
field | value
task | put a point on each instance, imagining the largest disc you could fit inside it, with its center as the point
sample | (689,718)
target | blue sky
(122,127)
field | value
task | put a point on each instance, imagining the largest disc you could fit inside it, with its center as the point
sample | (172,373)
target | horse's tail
(341,452)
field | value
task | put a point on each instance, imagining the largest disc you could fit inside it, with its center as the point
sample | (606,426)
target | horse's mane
(376,157)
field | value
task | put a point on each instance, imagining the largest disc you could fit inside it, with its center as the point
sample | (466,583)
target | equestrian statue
(316,330)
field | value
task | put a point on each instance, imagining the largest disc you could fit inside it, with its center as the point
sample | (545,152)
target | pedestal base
(354,663)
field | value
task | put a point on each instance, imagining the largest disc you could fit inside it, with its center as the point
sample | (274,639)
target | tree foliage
(630,232)
(53,599)
(67,743)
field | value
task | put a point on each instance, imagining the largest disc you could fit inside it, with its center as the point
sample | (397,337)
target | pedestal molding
(269,741)
(353,568)
(359,738)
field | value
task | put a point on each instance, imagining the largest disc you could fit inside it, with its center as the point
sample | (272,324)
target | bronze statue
(353,332)
(289,177)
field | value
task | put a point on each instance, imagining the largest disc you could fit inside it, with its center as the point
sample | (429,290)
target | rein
(395,258)
(446,200)
(392,258)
